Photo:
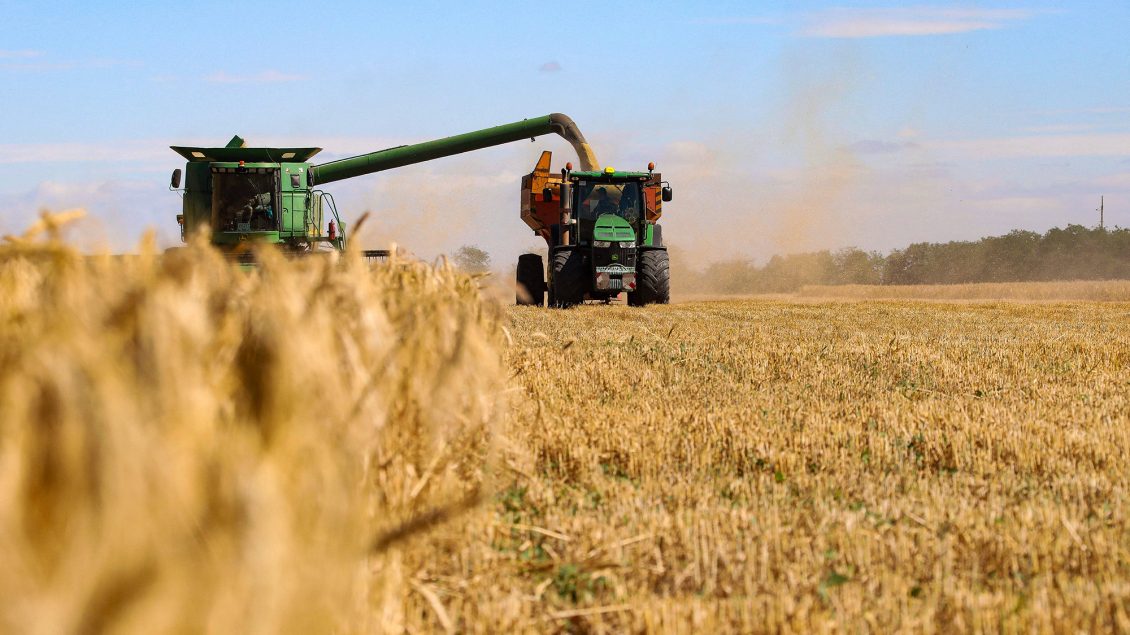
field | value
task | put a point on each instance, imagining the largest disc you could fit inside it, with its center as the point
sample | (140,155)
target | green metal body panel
(197,204)
(235,238)
(611,227)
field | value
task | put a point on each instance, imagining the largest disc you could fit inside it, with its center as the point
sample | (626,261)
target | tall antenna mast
(1101,205)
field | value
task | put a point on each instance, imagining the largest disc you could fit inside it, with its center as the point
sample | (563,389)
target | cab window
(621,199)
(245,202)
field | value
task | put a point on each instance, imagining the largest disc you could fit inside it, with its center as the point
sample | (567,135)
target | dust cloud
(432,209)
(779,183)
(811,205)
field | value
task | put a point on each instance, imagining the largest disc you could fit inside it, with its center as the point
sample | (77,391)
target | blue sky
(783,126)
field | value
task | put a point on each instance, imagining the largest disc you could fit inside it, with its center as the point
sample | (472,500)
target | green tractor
(606,240)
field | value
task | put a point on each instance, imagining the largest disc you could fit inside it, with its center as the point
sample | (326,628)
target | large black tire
(653,279)
(570,278)
(530,284)
(554,241)
(551,299)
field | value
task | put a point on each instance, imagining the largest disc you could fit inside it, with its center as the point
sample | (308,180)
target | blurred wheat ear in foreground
(186,447)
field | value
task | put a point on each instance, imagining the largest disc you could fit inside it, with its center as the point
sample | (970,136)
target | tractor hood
(611,227)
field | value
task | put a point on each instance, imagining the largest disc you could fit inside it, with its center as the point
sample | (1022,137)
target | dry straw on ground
(1090,290)
(769,466)
(186,447)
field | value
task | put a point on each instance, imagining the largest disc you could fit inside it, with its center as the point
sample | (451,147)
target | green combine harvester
(253,196)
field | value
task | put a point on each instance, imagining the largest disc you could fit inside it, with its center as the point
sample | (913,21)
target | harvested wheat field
(321,446)
(772,466)
(1089,290)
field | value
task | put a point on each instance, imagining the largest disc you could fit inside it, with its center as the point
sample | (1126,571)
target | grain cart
(246,196)
(602,230)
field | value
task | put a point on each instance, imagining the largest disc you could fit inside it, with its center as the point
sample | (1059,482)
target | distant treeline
(1072,253)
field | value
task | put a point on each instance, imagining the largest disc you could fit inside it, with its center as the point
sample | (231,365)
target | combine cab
(252,196)
(602,230)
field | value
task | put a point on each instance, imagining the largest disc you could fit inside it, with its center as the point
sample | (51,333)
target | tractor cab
(613,205)
(616,207)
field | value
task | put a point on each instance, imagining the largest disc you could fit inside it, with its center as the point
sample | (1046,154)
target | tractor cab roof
(611,176)
(235,150)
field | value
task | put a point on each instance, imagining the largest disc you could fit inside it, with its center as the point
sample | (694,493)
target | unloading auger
(247,196)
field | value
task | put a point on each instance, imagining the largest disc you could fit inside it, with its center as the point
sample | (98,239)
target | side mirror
(174,183)
(547,194)
(667,194)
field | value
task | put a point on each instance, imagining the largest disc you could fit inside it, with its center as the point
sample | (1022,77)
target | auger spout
(555,123)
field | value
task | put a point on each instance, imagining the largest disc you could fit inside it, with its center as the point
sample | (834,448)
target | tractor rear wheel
(570,281)
(653,279)
(530,289)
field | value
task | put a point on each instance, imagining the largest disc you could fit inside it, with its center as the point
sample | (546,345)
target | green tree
(471,259)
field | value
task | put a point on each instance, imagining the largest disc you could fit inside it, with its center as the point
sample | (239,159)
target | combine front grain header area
(321,445)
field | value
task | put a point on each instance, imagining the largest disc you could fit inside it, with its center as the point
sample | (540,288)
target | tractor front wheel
(653,279)
(570,279)
(530,285)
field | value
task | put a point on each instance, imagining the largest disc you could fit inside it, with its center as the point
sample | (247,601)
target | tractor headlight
(627,245)
(601,243)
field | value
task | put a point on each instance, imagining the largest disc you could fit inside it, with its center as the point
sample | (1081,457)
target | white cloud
(907,21)
(1108,110)
(28,60)
(1093,110)
(264,77)
(879,146)
(157,150)
(143,150)
(1060,127)
(18,55)
(1035,146)
(119,211)
(1116,181)
(1014,204)
(738,20)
